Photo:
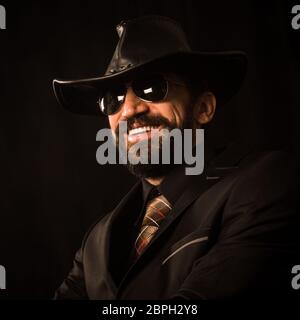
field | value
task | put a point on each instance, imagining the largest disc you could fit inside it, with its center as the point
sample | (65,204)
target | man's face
(145,119)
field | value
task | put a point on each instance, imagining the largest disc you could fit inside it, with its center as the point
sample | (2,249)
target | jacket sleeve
(259,241)
(73,287)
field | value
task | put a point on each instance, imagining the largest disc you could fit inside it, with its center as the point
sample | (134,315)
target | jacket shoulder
(96,227)
(272,167)
(267,179)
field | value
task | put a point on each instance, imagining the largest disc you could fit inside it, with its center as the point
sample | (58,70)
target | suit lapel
(115,230)
(197,187)
(219,163)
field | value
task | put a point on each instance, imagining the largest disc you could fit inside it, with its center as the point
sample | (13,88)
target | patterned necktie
(156,211)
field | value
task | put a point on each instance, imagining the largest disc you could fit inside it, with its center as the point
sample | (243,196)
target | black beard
(155,170)
(149,170)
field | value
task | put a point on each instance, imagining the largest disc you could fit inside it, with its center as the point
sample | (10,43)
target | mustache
(146,120)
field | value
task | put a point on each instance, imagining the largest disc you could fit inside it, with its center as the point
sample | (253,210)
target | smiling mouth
(141,130)
(141,133)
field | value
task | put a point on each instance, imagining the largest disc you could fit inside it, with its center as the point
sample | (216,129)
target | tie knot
(156,210)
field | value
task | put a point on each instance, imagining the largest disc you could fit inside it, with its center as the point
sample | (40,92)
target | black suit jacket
(234,232)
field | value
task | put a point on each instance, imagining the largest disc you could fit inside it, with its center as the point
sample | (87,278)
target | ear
(204,108)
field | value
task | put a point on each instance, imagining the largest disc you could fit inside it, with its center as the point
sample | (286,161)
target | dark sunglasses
(153,88)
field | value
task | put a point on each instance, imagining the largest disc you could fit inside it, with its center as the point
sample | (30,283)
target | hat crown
(145,39)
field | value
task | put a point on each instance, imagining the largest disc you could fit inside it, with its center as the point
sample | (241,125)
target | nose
(133,105)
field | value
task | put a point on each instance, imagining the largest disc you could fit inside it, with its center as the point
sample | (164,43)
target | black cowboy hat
(154,43)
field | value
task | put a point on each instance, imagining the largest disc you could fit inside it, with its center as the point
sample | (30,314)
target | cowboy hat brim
(223,72)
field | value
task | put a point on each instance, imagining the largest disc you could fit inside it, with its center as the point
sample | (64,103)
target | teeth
(140,130)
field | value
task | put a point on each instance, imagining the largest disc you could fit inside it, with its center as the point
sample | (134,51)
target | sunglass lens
(153,88)
(111,101)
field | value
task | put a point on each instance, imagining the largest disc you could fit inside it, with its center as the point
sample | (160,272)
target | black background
(52,189)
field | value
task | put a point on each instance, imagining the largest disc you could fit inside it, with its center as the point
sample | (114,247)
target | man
(229,232)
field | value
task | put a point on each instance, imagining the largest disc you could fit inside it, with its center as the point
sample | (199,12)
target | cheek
(179,106)
(170,111)
(178,114)
(113,122)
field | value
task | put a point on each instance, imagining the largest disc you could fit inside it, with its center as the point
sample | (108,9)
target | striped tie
(156,211)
